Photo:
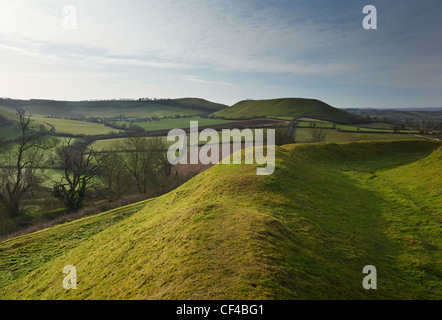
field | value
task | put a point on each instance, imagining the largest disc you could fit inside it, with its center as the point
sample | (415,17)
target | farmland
(75,127)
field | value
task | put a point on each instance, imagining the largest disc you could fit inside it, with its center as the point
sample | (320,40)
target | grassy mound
(288,108)
(305,232)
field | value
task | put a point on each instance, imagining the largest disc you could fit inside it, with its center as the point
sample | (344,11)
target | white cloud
(193,34)
(189,42)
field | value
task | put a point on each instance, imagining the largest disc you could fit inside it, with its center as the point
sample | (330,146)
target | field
(303,135)
(230,234)
(108,144)
(75,127)
(358,127)
(9,132)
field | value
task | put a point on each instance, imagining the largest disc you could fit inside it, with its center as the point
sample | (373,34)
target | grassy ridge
(288,107)
(304,232)
(115,108)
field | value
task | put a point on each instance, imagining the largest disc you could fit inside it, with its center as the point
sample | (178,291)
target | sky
(223,50)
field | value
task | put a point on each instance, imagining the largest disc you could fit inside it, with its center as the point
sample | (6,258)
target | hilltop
(230,234)
(287,108)
(113,108)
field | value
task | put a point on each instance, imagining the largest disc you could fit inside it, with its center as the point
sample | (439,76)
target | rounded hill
(287,108)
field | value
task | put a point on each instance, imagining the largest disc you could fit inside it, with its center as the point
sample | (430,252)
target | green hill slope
(287,108)
(305,232)
(113,108)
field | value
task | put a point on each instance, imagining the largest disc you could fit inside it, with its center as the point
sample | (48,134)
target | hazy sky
(224,51)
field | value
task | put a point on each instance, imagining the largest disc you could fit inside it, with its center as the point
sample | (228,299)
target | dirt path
(428,138)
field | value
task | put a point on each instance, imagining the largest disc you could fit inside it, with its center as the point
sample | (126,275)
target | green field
(303,135)
(9,132)
(230,234)
(74,126)
(376,125)
(108,144)
(287,109)
(339,126)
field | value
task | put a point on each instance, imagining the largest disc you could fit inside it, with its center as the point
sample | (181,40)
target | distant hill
(288,108)
(201,104)
(305,232)
(141,108)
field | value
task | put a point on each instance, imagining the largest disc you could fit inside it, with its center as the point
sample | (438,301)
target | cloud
(193,78)
(196,41)
(193,34)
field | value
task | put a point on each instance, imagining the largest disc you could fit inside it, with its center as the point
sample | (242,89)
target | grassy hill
(305,232)
(114,108)
(288,108)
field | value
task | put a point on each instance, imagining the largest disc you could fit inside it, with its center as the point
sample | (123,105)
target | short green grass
(75,127)
(303,135)
(18,258)
(9,131)
(305,232)
(313,123)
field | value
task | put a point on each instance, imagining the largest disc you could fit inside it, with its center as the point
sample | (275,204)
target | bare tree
(144,158)
(22,164)
(117,179)
(80,168)
(318,133)
(284,135)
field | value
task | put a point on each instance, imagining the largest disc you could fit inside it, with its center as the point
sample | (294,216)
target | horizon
(223,51)
(138,99)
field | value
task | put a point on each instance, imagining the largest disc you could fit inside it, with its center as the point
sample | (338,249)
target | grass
(9,131)
(109,144)
(75,127)
(34,251)
(287,109)
(339,126)
(376,125)
(303,135)
(305,232)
